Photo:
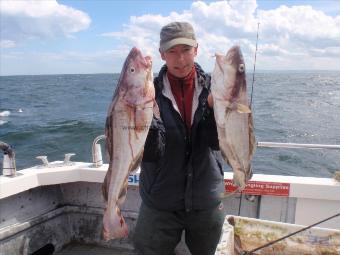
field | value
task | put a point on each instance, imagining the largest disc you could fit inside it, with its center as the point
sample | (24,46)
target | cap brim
(170,44)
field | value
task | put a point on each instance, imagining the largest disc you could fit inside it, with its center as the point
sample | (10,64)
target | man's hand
(210,100)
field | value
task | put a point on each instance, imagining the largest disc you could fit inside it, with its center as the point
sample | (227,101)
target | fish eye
(241,68)
(132,69)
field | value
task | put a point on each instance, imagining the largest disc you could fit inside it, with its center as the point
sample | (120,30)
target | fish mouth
(145,61)
(148,61)
(135,51)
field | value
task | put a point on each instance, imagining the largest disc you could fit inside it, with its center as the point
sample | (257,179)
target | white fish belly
(128,145)
(233,135)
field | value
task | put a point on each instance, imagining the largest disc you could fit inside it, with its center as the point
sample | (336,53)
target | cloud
(62,62)
(232,19)
(286,33)
(7,44)
(326,52)
(297,37)
(300,24)
(22,20)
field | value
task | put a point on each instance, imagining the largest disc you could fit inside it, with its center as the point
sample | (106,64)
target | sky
(88,36)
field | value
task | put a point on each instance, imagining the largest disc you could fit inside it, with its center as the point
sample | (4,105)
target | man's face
(180,59)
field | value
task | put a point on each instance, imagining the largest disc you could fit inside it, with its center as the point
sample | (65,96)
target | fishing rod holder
(97,158)
(8,164)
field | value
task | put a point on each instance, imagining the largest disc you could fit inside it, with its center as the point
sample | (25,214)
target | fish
(233,115)
(127,125)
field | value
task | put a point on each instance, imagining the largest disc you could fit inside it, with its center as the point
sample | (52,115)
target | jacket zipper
(183,107)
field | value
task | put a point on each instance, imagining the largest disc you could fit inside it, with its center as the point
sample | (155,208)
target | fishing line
(252,85)
(289,235)
(240,205)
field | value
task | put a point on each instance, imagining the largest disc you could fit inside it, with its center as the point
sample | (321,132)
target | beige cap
(176,33)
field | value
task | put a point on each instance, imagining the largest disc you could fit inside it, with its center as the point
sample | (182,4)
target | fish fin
(136,163)
(109,123)
(123,192)
(114,225)
(249,174)
(122,195)
(133,167)
(219,61)
(241,108)
(156,111)
(239,179)
(138,119)
(225,158)
(109,152)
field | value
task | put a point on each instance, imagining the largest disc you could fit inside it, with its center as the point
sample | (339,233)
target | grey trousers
(159,232)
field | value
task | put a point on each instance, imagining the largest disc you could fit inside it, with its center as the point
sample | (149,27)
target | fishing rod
(252,85)
(289,235)
(251,97)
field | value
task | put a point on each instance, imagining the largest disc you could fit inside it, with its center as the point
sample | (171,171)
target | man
(182,177)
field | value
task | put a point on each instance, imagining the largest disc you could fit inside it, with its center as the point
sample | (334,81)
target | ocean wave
(66,123)
(2,122)
(72,126)
(5,113)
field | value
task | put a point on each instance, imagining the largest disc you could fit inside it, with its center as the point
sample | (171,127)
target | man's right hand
(210,100)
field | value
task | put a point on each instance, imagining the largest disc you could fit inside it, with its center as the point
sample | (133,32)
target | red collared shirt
(183,91)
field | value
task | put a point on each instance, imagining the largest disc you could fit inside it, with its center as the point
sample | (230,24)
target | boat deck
(81,249)
(51,209)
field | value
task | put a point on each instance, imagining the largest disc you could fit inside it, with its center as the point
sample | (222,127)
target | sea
(56,114)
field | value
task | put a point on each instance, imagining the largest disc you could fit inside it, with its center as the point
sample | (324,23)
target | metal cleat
(44,160)
(67,159)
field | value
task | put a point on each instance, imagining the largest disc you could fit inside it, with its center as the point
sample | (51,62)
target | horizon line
(249,72)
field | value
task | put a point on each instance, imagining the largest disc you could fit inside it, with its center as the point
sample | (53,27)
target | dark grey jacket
(182,171)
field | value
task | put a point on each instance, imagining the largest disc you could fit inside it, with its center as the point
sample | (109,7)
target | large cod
(127,125)
(233,115)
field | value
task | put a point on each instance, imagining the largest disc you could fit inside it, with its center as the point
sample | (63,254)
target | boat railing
(302,146)
(298,145)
